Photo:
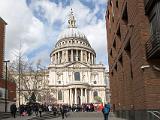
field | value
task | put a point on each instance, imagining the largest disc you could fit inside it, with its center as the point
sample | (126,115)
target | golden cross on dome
(71,20)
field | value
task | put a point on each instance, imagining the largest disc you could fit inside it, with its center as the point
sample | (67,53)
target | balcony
(153,46)
(149,5)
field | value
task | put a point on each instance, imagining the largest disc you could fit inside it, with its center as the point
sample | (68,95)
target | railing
(155,114)
(153,45)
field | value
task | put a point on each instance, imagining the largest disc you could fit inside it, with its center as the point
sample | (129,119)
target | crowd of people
(56,109)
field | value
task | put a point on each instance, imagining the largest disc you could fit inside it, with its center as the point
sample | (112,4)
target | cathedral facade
(74,77)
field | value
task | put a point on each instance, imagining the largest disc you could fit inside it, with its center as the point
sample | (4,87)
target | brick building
(11,87)
(133,32)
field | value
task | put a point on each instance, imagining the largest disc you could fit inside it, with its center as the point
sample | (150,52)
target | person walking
(13,110)
(40,110)
(106,111)
(36,109)
(63,111)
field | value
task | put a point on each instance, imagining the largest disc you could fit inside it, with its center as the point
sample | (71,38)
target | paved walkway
(71,116)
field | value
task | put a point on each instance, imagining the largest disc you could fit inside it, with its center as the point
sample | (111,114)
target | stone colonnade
(73,55)
(78,96)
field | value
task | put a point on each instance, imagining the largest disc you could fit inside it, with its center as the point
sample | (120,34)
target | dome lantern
(71,20)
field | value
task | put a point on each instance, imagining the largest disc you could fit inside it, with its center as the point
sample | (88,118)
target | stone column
(66,55)
(71,55)
(85,95)
(89,58)
(75,96)
(62,57)
(77,55)
(81,96)
(85,56)
(70,96)
(81,56)
(55,58)
(58,57)
(90,96)
(94,59)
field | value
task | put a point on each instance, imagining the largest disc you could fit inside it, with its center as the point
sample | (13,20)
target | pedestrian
(54,109)
(40,111)
(106,111)
(63,111)
(13,110)
(36,109)
(21,109)
(28,109)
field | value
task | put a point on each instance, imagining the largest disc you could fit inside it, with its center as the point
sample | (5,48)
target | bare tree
(33,78)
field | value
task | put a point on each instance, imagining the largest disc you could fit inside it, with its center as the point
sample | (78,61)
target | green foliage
(98,99)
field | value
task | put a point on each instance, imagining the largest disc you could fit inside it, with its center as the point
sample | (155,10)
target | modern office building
(133,35)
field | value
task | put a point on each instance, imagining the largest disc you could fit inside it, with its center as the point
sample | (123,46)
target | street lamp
(6,78)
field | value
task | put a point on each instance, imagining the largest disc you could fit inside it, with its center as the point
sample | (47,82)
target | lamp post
(6,78)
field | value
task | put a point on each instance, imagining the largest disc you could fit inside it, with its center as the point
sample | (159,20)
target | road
(70,116)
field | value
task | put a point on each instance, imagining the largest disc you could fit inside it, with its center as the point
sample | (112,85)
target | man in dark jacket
(63,111)
(13,110)
(106,111)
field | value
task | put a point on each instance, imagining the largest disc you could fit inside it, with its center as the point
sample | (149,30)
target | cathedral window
(59,82)
(59,95)
(77,76)
(95,94)
(95,82)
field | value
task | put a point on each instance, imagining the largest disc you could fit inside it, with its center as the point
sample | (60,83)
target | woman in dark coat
(13,110)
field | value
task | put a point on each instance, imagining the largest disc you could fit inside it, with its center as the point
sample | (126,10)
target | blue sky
(37,23)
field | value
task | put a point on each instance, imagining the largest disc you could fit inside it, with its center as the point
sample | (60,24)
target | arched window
(95,94)
(77,76)
(60,95)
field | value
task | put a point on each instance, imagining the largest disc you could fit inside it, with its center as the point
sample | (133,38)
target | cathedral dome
(72,45)
(71,32)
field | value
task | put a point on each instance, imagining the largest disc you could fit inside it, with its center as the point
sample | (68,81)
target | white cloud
(96,35)
(23,25)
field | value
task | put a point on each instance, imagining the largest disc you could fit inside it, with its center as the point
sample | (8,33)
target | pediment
(77,65)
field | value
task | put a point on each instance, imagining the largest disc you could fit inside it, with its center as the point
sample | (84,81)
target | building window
(112,73)
(153,24)
(119,32)
(77,76)
(111,53)
(2,93)
(128,49)
(117,3)
(125,15)
(60,95)
(113,19)
(59,82)
(112,8)
(115,67)
(121,60)
(95,82)
(95,94)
